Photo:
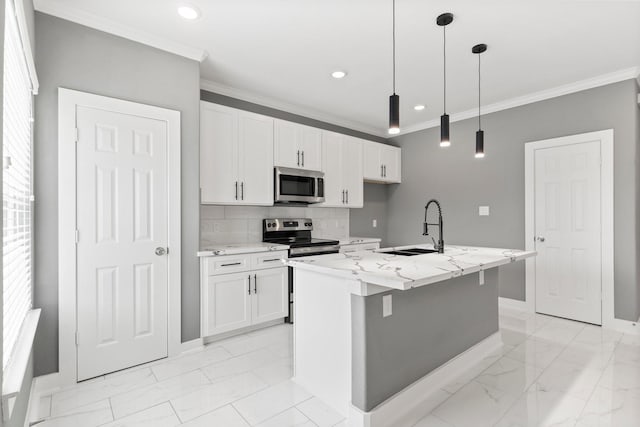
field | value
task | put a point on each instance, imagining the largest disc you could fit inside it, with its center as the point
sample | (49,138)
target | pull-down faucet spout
(440,245)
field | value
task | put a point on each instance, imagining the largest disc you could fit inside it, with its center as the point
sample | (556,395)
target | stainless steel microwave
(298,186)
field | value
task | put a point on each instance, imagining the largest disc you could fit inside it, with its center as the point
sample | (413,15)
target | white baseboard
(514,304)
(192,345)
(625,326)
(47,384)
(407,407)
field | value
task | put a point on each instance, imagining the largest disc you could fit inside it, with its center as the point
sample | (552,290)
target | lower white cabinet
(232,301)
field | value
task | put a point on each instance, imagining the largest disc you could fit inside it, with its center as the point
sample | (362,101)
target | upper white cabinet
(236,156)
(342,158)
(297,146)
(381,163)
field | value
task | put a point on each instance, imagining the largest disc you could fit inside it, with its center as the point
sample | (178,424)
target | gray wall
(462,183)
(637,234)
(279,114)
(76,57)
(429,326)
(375,207)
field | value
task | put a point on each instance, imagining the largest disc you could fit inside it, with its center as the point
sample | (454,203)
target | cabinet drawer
(268,259)
(228,264)
(359,247)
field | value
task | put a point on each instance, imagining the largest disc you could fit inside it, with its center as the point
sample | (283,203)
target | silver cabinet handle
(271,260)
(160,251)
(342,196)
(382,170)
(242,190)
(236,190)
(539,238)
(249,290)
(255,283)
(302,157)
(347,196)
(298,157)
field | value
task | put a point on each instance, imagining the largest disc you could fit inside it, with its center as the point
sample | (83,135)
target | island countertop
(406,272)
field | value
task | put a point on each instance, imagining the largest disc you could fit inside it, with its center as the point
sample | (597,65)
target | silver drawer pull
(271,260)
(229,265)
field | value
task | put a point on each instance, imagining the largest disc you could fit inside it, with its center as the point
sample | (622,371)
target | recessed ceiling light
(188,12)
(419,107)
(338,74)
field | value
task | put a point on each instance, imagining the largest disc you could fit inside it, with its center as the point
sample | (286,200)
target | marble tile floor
(549,372)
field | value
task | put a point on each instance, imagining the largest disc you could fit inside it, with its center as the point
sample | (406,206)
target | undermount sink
(411,252)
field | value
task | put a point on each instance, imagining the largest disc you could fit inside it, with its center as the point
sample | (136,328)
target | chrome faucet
(440,245)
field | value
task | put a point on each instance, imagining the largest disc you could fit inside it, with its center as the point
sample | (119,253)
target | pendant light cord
(444,54)
(479,89)
(394,46)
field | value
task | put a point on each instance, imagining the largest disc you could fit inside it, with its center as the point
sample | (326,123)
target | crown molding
(602,80)
(61,10)
(265,101)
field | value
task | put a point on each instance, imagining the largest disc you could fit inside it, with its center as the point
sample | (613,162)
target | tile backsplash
(243,224)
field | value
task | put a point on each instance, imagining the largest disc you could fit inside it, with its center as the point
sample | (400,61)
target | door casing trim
(68,100)
(606,219)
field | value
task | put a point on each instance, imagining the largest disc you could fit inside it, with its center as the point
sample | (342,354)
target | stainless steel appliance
(296,232)
(298,186)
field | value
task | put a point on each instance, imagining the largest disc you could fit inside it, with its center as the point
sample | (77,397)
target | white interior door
(122,219)
(568,231)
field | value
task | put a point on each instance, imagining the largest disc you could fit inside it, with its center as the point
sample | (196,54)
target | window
(16,185)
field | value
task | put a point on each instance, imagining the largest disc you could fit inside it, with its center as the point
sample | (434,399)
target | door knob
(539,239)
(160,251)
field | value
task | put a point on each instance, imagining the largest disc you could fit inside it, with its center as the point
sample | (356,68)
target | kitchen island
(376,332)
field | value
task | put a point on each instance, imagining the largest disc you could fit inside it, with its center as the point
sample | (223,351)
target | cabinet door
(226,303)
(270,289)
(352,178)
(390,158)
(310,145)
(332,168)
(255,159)
(372,165)
(286,151)
(218,153)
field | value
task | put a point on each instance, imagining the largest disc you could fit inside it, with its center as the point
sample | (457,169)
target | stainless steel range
(296,232)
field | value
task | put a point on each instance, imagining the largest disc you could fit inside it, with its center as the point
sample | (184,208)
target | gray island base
(375,350)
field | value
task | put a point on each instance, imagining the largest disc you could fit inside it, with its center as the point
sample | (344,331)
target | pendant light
(444,20)
(478,49)
(394,100)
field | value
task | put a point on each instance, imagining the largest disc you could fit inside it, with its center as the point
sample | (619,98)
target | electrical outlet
(483,210)
(481,277)
(375,223)
(386,305)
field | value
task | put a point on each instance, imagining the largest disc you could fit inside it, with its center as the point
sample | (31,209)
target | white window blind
(16,185)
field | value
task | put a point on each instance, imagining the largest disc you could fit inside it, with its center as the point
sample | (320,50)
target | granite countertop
(359,240)
(406,272)
(240,248)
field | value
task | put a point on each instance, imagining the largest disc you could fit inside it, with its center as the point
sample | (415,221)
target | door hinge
(75,135)
(77,236)
(77,339)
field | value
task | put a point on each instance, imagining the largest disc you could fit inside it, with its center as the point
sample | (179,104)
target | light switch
(375,223)
(483,210)
(386,305)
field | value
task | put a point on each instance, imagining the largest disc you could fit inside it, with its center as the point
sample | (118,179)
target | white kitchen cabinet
(228,303)
(236,156)
(343,179)
(242,290)
(270,289)
(297,146)
(356,247)
(382,163)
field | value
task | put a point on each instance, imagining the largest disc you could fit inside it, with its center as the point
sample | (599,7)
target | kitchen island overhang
(362,361)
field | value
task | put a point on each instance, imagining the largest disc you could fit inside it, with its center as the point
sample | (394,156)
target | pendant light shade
(444,20)
(394,100)
(478,49)
(394,114)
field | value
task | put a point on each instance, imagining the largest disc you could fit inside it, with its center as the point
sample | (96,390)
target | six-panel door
(122,222)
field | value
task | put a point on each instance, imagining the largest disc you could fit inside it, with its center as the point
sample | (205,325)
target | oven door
(298,186)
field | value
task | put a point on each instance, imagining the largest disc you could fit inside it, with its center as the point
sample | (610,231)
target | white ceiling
(281,52)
